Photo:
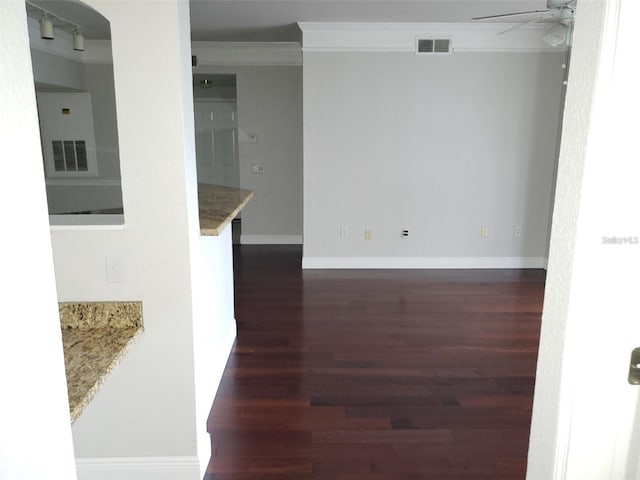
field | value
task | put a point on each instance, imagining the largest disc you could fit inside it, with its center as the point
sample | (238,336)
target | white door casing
(584,424)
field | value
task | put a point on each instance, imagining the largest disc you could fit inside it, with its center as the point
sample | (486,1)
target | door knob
(634,367)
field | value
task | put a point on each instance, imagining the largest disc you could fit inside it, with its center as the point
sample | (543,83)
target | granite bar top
(95,337)
(219,205)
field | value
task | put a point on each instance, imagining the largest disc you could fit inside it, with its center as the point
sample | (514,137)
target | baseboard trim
(422,262)
(138,468)
(271,239)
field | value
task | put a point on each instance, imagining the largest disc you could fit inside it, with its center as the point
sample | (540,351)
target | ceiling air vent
(428,46)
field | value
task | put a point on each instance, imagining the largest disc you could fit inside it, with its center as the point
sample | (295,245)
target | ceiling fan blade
(515,14)
(524,23)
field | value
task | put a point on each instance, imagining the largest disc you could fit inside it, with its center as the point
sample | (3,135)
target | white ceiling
(275,20)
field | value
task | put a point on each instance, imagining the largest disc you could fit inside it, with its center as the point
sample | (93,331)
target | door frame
(584,410)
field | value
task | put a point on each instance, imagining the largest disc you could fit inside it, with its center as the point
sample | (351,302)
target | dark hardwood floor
(376,375)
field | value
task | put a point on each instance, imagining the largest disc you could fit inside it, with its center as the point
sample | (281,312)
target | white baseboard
(138,468)
(423,262)
(271,239)
(222,348)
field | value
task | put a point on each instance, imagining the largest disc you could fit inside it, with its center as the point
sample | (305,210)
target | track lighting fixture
(46,27)
(78,40)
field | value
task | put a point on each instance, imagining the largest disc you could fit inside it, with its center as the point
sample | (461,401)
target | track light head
(46,27)
(78,40)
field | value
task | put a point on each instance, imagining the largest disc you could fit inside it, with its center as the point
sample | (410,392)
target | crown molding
(209,53)
(325,37)
(246,53)
(401,37)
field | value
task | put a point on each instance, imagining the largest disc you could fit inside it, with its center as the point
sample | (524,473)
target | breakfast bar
(219,205)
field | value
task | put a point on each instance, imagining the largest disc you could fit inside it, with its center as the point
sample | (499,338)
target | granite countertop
(219,205)
(95,337)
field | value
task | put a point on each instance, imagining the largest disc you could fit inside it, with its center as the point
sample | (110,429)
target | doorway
(216,126)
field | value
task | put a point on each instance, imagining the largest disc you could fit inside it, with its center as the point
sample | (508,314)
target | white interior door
(623,261)
(216,125)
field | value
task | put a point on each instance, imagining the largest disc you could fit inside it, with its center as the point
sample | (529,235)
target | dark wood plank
(376,375)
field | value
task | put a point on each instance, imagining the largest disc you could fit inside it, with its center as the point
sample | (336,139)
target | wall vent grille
(70,156)
(430,46)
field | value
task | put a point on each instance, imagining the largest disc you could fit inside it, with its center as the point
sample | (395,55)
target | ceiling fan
(562,11)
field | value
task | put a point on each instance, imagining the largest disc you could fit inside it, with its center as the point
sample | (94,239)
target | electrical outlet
(405,233)
(344,233)
(115,269)
(368,234)
(484,232)
(518,231)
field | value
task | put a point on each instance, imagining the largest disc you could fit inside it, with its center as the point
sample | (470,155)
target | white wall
(146,408)
(55,64)
(83,195)
(441,146)
(35,432)
(99,82)
(216,92)
(269,105)
(56,71)
(214,326)
(585,416)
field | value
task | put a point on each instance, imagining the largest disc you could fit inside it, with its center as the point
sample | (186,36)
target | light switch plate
(115,269)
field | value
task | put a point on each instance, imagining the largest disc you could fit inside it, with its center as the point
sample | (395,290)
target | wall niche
(75,92)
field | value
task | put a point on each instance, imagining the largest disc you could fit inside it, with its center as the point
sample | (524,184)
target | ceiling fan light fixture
(46,27)
(557,35)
